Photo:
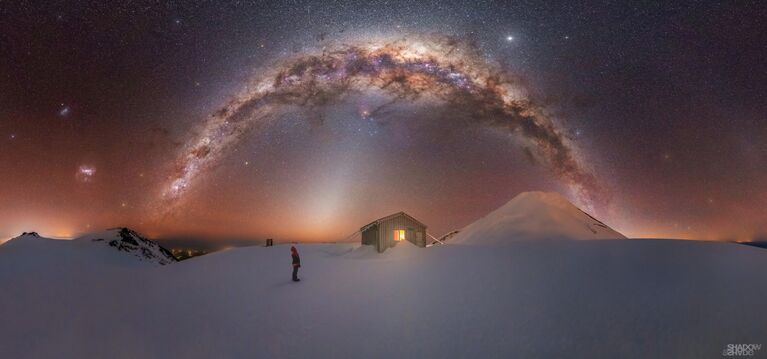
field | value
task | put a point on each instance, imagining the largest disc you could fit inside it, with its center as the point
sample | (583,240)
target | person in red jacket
(296,262)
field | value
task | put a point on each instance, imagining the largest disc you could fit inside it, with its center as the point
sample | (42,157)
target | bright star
(509,38)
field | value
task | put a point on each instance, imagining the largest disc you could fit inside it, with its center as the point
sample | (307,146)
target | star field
(663,103)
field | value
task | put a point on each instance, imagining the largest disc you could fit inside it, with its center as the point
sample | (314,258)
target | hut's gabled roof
(377,221)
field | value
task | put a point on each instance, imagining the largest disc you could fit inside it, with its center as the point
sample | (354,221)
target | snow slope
(532,216)
(33,253)
(525,299)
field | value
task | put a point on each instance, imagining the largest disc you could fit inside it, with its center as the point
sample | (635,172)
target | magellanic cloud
(432,67)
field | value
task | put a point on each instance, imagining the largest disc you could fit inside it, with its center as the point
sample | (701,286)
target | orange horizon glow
(322,234)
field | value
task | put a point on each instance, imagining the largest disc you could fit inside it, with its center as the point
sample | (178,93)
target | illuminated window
(399,235)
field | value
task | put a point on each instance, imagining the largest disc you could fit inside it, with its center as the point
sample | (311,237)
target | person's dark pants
(295,273)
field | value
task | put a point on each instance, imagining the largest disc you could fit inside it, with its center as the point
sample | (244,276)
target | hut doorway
(399,235)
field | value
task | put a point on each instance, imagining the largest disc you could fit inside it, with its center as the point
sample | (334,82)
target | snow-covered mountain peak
(127,240)
(535,215)
(25,239)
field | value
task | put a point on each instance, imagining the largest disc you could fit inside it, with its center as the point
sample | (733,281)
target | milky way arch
(430,68)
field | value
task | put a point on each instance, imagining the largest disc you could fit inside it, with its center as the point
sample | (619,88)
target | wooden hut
(388,231)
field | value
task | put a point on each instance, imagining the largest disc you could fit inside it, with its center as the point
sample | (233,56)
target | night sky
(306,120)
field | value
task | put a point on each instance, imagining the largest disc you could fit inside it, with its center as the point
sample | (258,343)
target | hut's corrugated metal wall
(414,232)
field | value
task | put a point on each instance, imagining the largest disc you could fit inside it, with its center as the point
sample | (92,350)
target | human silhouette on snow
(296,262)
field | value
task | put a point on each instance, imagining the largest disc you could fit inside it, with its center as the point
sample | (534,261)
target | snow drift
(523,299)
(532,216)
